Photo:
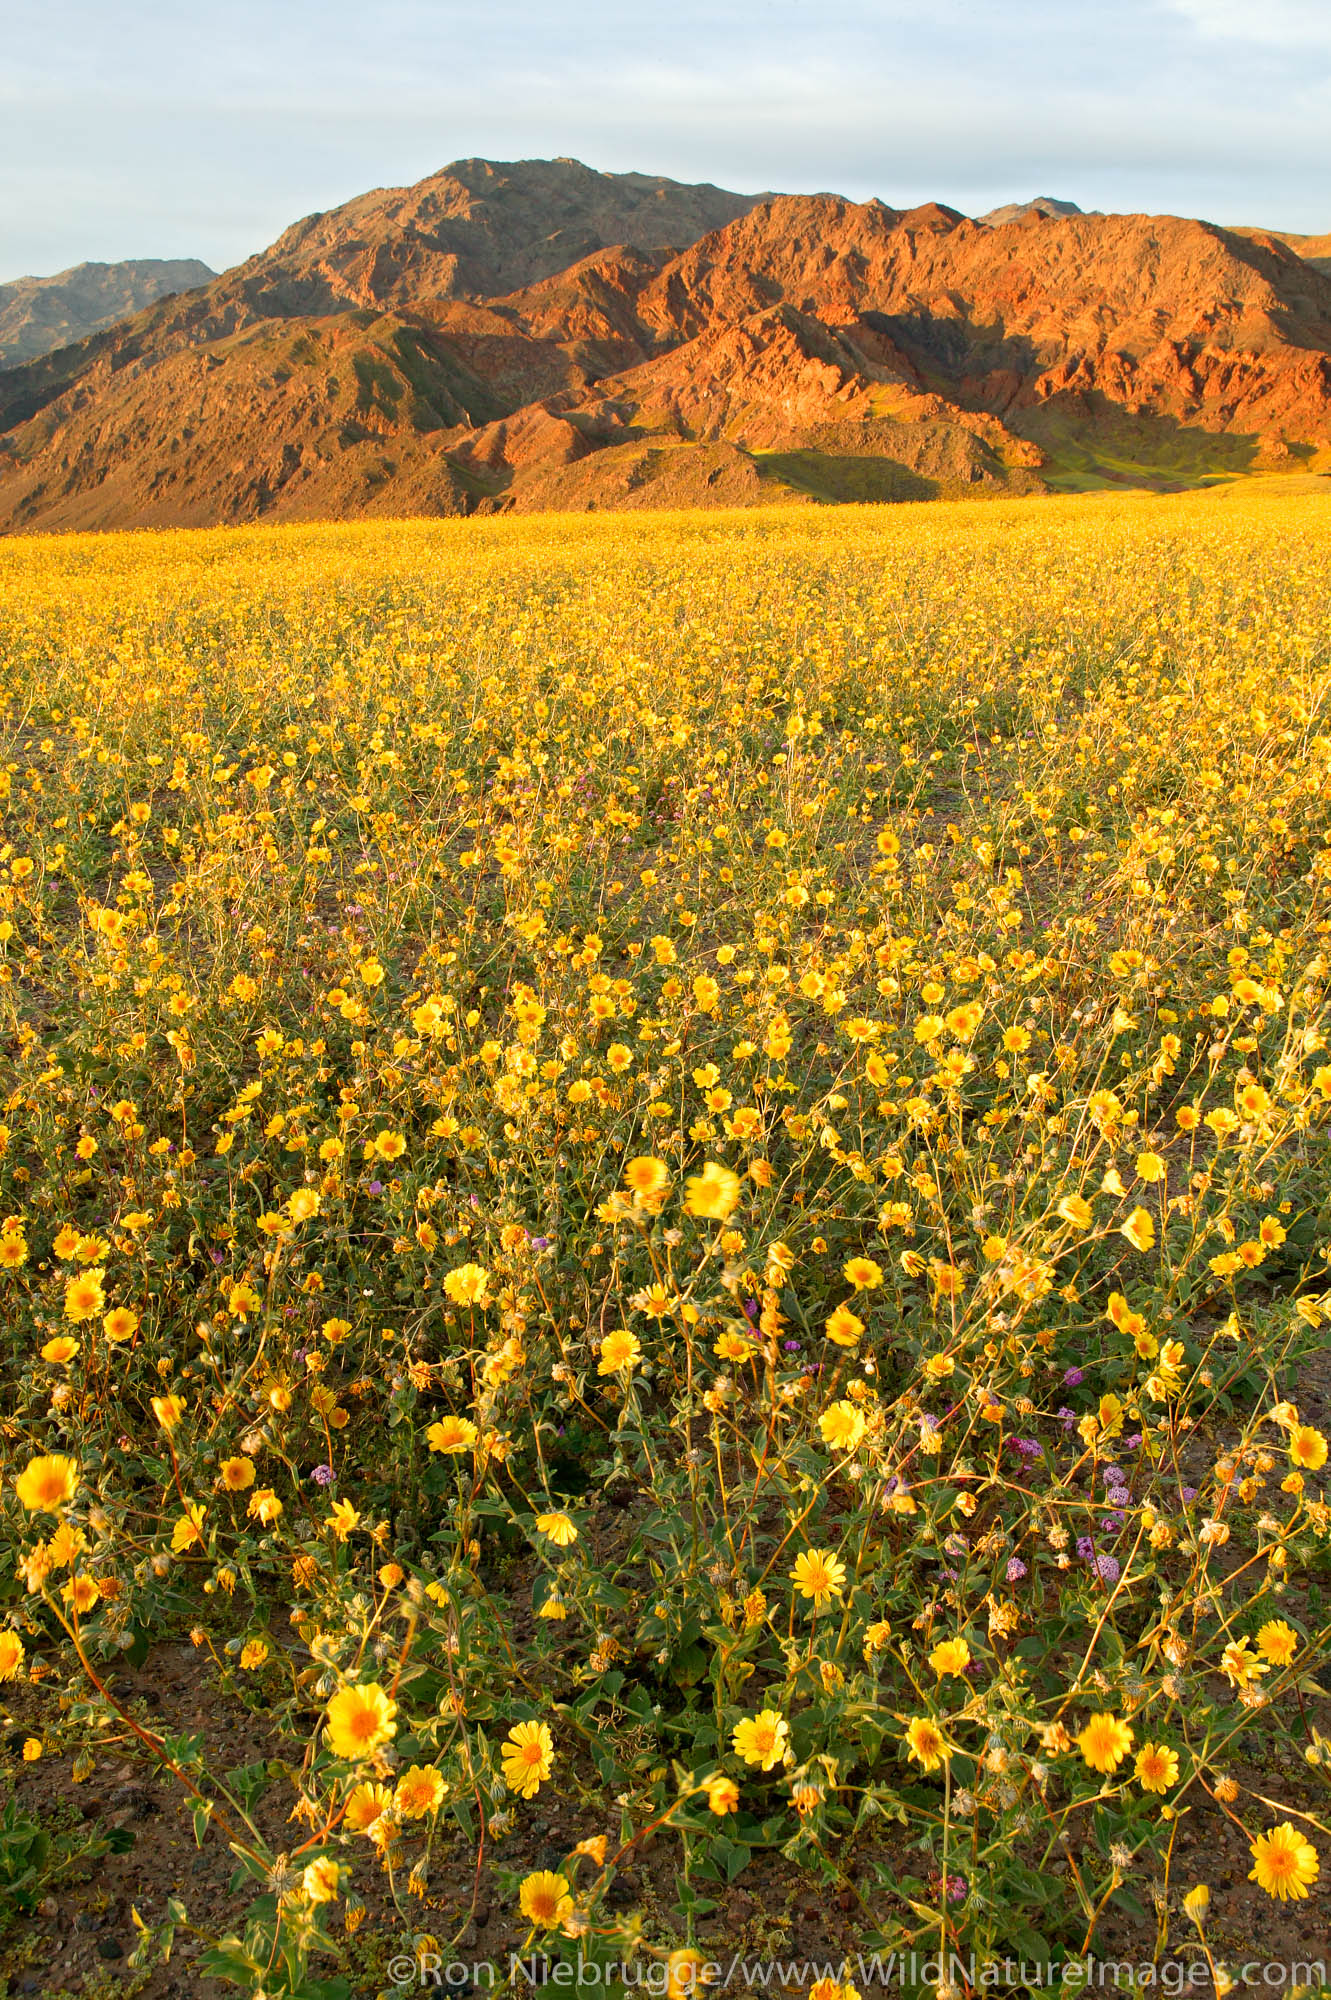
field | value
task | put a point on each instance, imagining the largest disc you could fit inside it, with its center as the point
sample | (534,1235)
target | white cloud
(1275,24)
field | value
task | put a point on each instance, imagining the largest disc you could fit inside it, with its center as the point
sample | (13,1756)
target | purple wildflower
(1016,1569)
(376,1187)
(322,1475)
(1072,1377)
(1107,1569)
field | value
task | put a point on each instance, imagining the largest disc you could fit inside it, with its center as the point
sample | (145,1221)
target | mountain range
(540,335)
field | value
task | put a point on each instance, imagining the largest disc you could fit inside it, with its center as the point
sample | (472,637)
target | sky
(175,128)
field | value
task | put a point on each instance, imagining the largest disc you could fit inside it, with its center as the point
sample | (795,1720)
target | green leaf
(737,1860)
(248,1781)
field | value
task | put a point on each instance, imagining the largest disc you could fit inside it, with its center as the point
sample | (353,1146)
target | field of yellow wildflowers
(678,1166)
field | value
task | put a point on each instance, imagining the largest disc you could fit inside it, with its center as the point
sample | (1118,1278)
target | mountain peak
(1019,211)
(478,229)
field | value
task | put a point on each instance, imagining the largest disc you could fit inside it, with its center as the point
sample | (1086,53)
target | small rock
(136,1801)
(109,1947)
